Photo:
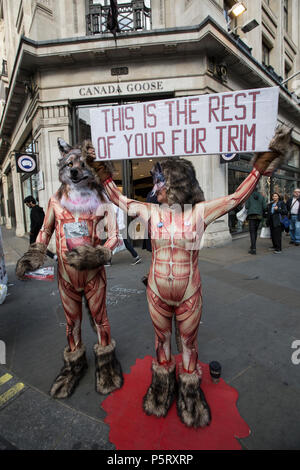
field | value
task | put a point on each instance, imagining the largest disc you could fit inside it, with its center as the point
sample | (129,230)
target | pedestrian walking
(293,208)
(37,216)
(276,210)
(256,206)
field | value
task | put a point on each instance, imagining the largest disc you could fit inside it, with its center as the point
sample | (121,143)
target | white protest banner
(240,121)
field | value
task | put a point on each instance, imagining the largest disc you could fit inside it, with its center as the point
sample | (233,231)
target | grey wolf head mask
(72,168)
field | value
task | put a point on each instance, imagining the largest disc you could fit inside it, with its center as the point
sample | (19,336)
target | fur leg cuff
(161,392)
(192,407)
(75,364)
(109,376)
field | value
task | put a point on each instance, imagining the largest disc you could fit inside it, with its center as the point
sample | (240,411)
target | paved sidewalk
(250,320)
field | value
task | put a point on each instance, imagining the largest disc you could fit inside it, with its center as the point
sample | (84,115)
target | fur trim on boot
(192,407)
(31,260)
(75,364)
(162,390)
(88,257)
(109,375)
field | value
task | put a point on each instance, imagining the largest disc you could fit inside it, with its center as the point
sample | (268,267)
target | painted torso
(174,275)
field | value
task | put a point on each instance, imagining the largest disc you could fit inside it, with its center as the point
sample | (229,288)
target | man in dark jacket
(293,207)
(255,205)
(37,216)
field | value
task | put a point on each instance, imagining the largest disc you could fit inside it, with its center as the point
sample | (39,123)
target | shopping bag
(265,232)
(120,246)
(242,214)
(3,292)
(42,274)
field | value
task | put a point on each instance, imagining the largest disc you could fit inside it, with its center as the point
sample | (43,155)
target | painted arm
(48,227)
(110,226)
(34,258)
(131,206)
(218,207)
(264,164)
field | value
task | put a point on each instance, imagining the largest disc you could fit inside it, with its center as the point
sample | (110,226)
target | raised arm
(104,171)
(109,225)
(218,207)
(264,164)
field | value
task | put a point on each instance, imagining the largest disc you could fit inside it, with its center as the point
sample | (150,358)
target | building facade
(59,61)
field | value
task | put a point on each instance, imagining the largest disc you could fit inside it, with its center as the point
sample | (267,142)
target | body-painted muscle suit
(79,213)
(174,284)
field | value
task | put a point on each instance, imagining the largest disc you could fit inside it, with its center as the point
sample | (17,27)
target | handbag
(265,232)
(284,220)
(242,214)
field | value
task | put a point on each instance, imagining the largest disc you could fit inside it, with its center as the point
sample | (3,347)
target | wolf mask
(79,190)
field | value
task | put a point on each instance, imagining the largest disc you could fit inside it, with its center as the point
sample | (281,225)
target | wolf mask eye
(70,164)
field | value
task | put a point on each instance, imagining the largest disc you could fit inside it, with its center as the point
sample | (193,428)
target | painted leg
(192,407)
(161,392)
(75,362)
(109,375)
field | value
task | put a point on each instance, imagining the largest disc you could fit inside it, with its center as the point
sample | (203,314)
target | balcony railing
(132,16)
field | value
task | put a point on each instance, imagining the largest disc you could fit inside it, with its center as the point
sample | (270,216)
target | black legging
(253,228)
(130,248)
(276,235)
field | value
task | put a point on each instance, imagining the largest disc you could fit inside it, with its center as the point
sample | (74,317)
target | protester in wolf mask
(76,213)
(174,284)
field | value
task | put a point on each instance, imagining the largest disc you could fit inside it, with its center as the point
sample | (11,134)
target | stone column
(5,194)
(17,188)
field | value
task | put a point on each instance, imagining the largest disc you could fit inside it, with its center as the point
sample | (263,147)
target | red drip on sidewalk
(132,429)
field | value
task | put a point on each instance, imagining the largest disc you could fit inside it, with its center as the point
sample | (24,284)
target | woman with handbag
(276,210)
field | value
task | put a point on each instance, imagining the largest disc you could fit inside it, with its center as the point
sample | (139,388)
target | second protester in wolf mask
(76,212)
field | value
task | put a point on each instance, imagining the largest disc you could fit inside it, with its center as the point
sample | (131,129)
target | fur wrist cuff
(33,259)
(88,257)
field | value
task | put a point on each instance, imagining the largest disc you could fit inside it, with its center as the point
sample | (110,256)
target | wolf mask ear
(64,148)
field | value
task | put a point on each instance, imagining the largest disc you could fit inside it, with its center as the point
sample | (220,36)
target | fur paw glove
(103,170)
(267,162)
(88,257)
(33,259)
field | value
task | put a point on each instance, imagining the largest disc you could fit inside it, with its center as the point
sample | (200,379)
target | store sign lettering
(122,88)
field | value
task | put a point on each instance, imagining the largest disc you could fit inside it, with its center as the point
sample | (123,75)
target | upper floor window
(133,15)
(266,52)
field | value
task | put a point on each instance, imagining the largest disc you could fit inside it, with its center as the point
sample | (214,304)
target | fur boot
(109,376)
(75,364)
(192,407)
(162,390)
(31,260)
(88,257)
